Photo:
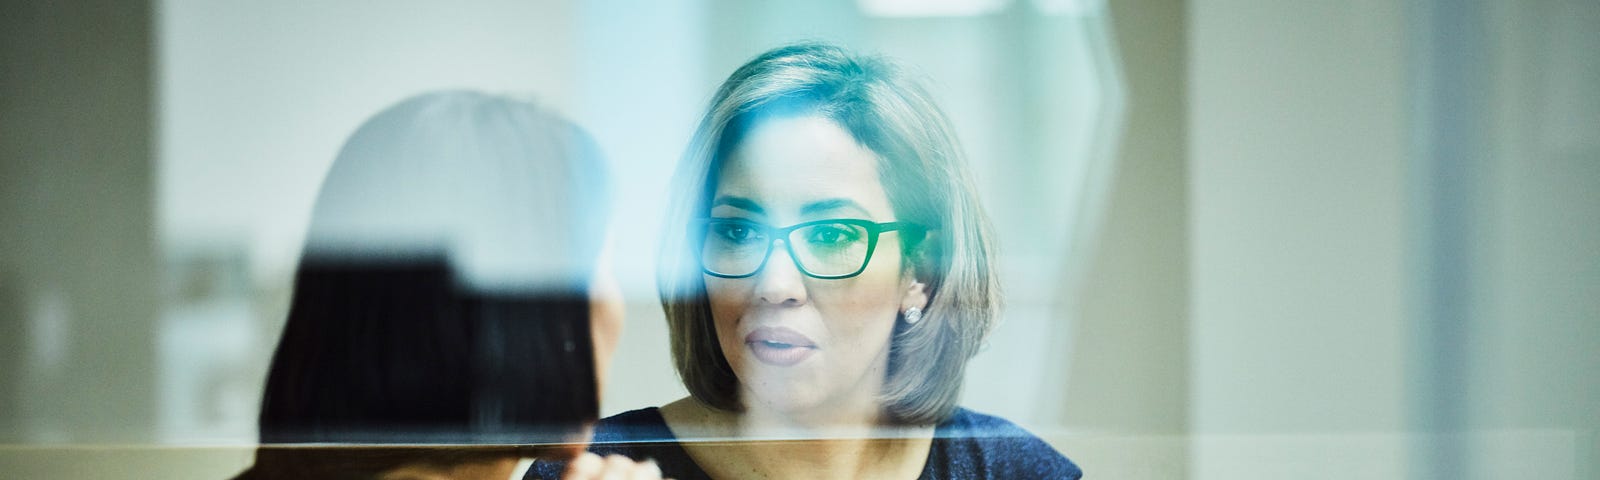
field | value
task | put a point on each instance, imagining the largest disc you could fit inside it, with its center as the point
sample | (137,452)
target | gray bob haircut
(925,175)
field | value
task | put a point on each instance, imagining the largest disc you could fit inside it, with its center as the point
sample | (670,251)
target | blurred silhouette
(451,300)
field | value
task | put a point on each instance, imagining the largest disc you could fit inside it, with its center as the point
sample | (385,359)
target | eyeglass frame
(874,230)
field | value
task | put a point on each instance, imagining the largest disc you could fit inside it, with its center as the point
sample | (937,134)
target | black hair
(398,351)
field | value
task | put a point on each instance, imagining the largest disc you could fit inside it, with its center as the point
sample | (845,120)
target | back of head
(441,298)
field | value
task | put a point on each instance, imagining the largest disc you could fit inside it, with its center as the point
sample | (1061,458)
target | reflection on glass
(437,321)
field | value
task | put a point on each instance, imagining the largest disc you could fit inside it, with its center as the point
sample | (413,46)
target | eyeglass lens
(739,248)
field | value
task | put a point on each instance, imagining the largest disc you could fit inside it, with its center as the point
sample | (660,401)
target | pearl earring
(913,314)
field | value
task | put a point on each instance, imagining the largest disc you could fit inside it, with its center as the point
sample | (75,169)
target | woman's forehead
(786,163)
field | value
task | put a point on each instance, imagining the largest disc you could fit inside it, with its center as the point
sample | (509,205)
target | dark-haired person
(452,310)
(826,276)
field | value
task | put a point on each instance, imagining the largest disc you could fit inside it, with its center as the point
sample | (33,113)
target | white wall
(256,98)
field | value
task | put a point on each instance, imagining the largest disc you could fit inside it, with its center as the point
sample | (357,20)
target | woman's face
(805,346)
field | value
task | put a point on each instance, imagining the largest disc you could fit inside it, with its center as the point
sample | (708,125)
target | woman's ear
(913,295)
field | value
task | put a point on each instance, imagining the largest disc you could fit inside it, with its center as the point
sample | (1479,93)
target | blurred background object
(1240,240)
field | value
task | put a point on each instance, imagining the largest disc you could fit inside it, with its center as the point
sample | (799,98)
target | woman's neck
(761,443)
(842,418)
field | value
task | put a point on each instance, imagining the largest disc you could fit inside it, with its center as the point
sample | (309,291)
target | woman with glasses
(826,277)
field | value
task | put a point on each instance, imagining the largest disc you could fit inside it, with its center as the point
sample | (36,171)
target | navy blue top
(967,445)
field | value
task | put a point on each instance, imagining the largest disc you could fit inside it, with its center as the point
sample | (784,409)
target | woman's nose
(780,281)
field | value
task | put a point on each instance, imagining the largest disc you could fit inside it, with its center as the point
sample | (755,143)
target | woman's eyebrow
(833,204)
(739,203)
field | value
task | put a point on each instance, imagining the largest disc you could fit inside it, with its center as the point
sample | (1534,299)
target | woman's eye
(831,235)
(736,232)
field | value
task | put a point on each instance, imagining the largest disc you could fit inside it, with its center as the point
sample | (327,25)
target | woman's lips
(779,346)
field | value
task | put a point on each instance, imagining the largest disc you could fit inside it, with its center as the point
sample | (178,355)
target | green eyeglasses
(826,249)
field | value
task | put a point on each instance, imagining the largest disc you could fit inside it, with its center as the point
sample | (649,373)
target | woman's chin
(792,403)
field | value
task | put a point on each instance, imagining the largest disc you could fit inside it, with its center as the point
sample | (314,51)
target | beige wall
(1535,359)
(1296,200)
(125,462)
(1357,311)
(1127,391)
(1529,392)
(1130,344)
(78,271)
